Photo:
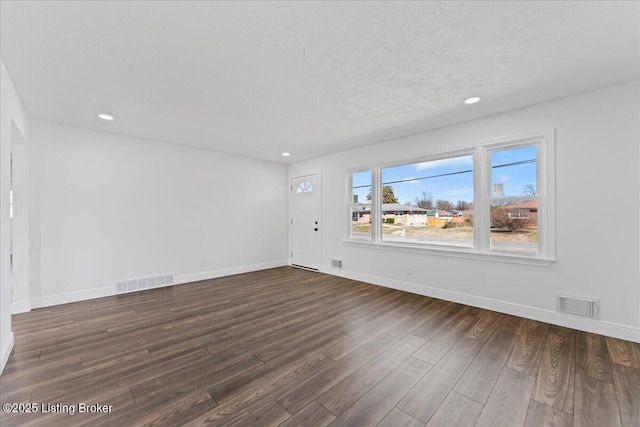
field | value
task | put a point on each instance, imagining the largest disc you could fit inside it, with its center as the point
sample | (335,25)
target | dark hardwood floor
(295,348)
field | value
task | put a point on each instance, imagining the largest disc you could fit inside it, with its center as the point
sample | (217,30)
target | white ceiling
(260,78)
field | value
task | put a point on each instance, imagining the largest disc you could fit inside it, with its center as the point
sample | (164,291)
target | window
(520,214)
(491,201)
(431,189)
(514,186)
(305,187)
(360,206)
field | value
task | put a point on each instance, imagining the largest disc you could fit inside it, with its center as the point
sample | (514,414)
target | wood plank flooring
(291,347)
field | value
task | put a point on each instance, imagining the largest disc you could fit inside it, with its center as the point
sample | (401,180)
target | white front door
(305,222)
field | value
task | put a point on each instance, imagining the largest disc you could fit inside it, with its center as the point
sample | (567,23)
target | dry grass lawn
(529,235)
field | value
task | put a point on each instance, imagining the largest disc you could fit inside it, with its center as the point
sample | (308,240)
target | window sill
(455,252)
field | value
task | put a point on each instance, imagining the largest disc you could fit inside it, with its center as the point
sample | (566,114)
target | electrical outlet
(203,262)
(410,270)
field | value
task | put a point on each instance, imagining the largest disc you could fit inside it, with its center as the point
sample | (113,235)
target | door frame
(320,218)
(19,224)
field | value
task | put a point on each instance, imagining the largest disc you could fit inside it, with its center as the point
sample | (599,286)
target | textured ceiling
(259,78)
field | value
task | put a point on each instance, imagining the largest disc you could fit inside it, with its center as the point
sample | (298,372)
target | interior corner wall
(106,207)
(597,210)
(14,123)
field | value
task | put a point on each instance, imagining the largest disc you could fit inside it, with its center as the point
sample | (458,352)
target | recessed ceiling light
(105,117)
(286,154)
(471,100)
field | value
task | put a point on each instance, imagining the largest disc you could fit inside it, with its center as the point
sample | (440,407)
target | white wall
(106,207)
(597,144)
(14,126)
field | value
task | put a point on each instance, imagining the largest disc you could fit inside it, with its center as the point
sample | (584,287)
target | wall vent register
(132,285)
(579,306)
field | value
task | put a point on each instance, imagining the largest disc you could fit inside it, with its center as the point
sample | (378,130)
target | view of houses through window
(429,202)
(432,202)
(514,205)
(361,205)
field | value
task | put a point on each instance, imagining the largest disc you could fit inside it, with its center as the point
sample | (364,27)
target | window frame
(544,141)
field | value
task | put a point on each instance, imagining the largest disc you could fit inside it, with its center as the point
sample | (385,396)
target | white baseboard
(206,275)
(7,346)
(72,297)
(611,329)
(20,307)
(185,278)
(599,327)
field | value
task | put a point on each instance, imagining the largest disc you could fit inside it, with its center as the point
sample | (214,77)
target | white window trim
(545,195)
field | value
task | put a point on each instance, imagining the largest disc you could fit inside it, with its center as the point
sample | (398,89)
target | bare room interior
(320,213)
